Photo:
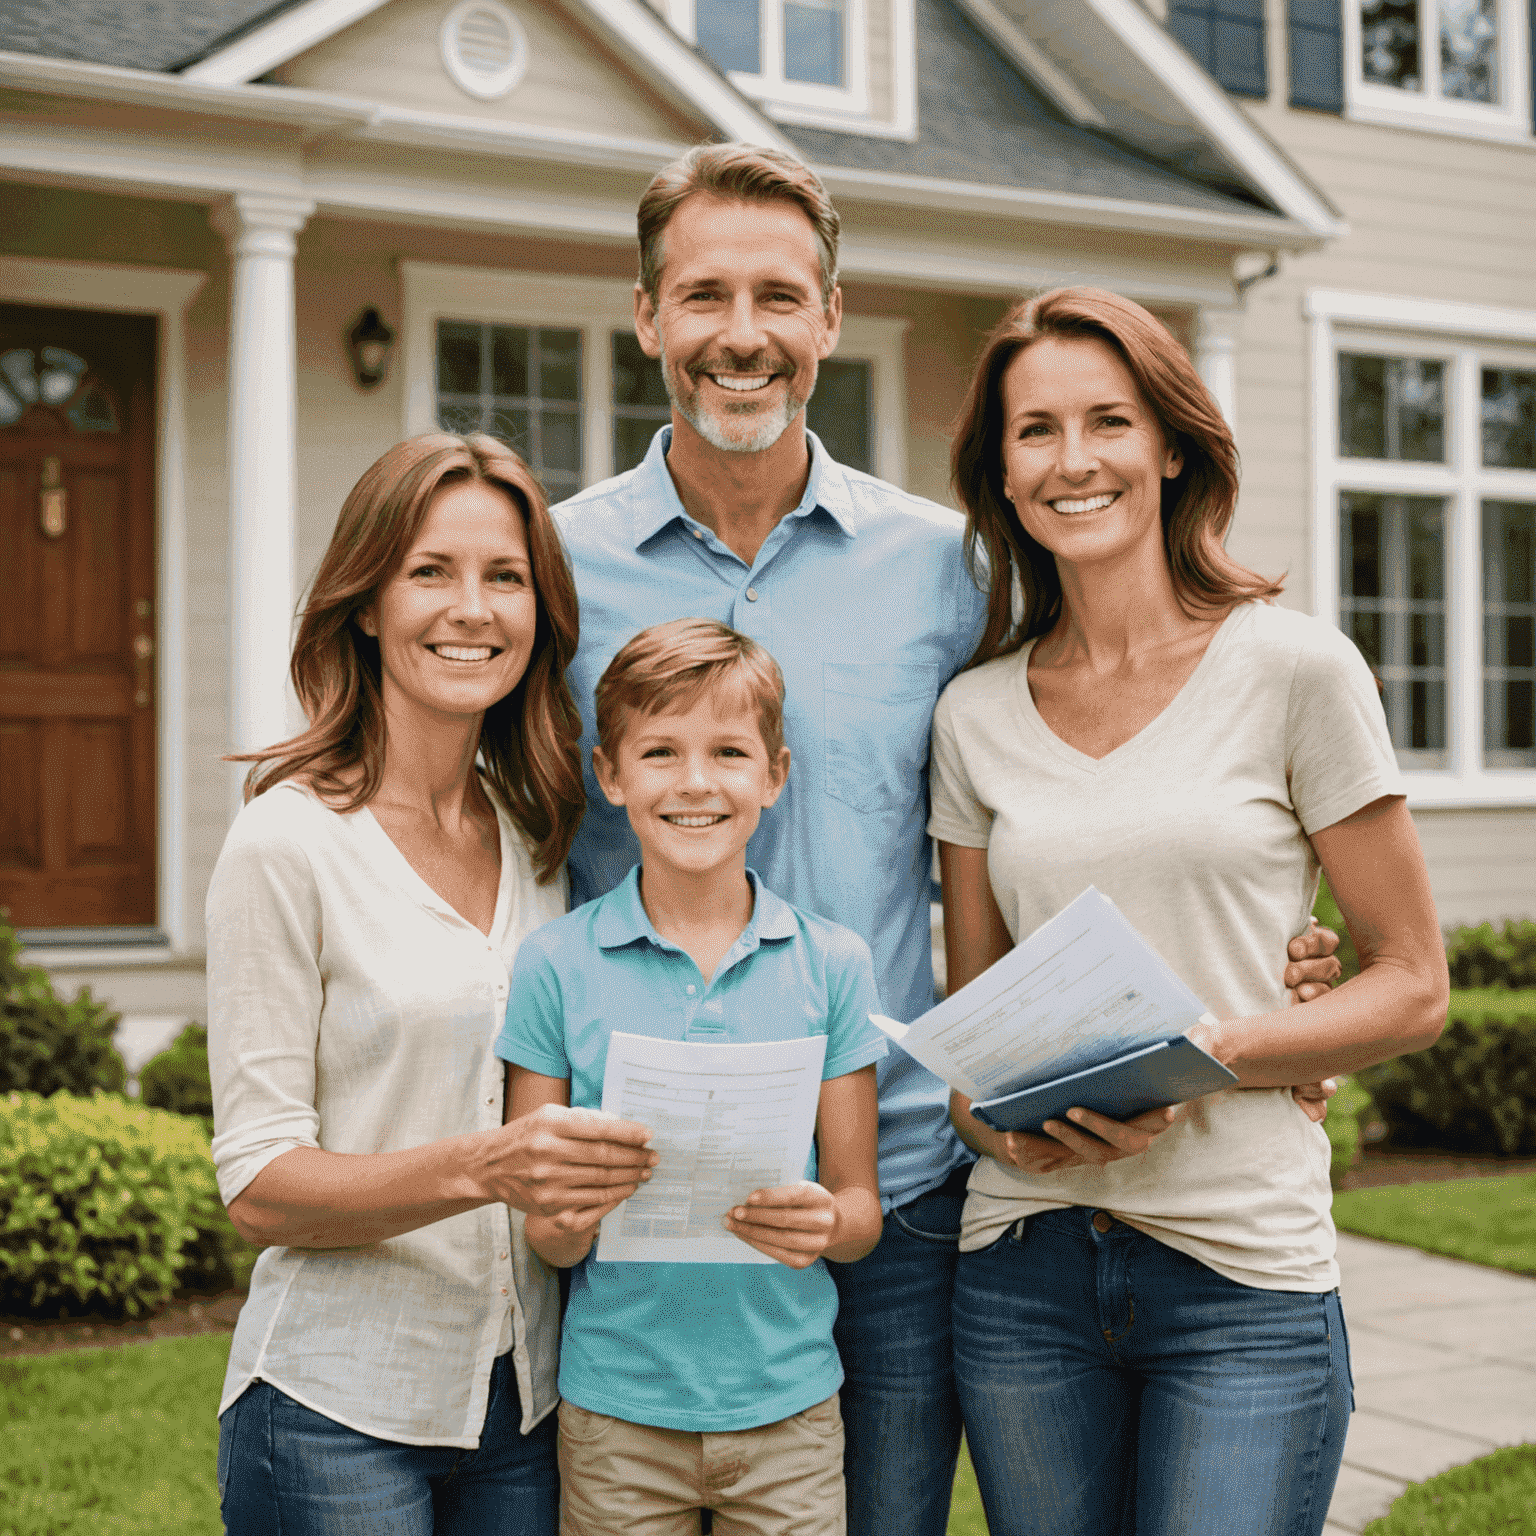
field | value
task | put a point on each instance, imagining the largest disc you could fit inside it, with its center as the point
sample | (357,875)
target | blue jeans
(1113,1386)
(901,1419)
(285,1468)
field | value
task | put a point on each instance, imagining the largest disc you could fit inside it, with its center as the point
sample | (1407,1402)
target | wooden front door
(77,624)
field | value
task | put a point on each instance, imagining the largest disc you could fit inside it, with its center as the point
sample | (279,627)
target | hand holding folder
(1083,1013)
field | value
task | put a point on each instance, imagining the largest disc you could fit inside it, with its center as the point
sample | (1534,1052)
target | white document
(726,1119)
(1081,990)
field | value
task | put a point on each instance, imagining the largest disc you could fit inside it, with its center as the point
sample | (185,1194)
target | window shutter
(1227,36)
(1317,54)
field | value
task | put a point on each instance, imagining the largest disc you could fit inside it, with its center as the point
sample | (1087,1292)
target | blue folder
(1151,1078)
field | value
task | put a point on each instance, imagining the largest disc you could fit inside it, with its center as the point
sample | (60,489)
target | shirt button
(503,1290)
(751,594)
(503,1255)
(691,989)
(698,533)
(1102,1221)
(490,1101)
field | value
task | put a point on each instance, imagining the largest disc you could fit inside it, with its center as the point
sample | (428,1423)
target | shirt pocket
(878,717)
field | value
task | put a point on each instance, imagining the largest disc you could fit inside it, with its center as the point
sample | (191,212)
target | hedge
(103,1205)
(177,1079)
(1474,1090)
(1488,957)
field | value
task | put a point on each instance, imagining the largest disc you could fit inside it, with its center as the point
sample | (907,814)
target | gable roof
(157,35)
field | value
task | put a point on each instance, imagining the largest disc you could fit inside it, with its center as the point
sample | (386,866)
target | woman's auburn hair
(528,740)
(1019,574)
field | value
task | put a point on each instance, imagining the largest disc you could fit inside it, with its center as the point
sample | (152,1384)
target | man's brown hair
(672,666)
(742,173)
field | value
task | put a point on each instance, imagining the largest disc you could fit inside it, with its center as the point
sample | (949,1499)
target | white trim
(1232,131)
(471,82)
(1033,62)
(1507,121)
(1400,312)
(433,291)
(1248,229)
(281,39)
(845,103)
(1460,335)
(165,294)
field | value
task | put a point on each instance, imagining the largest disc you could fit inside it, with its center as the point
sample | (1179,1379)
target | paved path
(1444,1359)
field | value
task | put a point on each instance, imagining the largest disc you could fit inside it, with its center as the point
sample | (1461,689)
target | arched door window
(59,379)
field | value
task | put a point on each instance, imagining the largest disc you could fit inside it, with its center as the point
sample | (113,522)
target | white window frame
(795,100)
(1466,337)
(433,291)
(1508,119)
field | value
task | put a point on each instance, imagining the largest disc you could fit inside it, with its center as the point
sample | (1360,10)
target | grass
(1474,1002)
(112,1440)
(1489,1221)
(965,1513)
(1494,1496)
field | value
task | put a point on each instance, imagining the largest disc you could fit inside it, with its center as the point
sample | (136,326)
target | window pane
(559,365)
(639,401)
(561,442)
(1392,604)
(839,413)
(1509,634)
(509,360)
(813,41)
(1391,408)
(730,32)
(1469,49)
(458,358)
(1389,38)
(1509,418)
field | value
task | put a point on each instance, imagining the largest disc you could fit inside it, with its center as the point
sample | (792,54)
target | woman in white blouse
(393,1371)
(1152,1343)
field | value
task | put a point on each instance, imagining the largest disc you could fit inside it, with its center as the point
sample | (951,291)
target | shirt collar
(621,917)
(657,503)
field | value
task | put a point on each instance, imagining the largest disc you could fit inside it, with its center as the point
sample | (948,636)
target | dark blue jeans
(901,1419)
(285,1468)
(1113,1386)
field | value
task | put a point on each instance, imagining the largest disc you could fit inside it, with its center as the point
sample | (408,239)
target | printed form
(726,1119)
(1082,989)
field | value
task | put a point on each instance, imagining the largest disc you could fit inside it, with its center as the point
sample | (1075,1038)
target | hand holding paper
(1083,1012)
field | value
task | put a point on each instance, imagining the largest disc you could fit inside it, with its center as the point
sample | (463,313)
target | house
(245,246)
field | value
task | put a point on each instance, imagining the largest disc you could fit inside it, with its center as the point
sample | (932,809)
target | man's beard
(764,426)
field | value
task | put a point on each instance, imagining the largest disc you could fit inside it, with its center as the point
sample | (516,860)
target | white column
(263,480)
(1215,337)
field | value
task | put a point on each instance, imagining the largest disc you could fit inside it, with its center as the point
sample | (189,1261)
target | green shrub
(99,1199)
(177,1079)
(1474,1090)
(46,1044)
(1326,910)
(1348,1110)
(1489,957)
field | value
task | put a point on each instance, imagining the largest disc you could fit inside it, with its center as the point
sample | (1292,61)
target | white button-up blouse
(351,1008)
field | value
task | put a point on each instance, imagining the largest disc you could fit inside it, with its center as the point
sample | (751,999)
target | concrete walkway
(1444,1360)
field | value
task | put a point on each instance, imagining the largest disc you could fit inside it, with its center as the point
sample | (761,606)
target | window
(551,366)
(1227,36)
(1457,64)
(1427,517)
(807,53)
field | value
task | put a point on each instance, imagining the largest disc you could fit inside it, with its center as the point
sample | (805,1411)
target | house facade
(243,252)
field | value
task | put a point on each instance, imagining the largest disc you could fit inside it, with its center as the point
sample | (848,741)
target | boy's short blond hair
(673,665)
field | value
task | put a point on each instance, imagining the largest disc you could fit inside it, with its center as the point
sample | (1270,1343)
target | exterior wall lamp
(369,345)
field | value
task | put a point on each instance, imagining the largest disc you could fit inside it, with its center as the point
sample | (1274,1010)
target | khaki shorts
(782,1479)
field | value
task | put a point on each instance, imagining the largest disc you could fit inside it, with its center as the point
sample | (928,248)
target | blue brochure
(1083,1012)
(1157,1075)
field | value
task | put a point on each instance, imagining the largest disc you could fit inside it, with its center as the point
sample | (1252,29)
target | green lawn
(1489,1221)
(965,1516)
(121,1441)
(1474,1002)
(1495,1496)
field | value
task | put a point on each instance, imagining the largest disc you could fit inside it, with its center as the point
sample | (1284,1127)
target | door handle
(53,501)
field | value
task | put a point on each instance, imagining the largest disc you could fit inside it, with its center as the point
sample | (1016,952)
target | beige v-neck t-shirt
(1197,829)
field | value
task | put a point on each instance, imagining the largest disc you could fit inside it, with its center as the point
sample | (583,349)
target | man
(861,593)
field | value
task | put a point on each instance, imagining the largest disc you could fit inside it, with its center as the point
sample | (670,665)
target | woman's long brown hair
(528,740)
(1197,504)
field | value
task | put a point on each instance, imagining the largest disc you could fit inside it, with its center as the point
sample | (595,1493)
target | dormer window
(791,53)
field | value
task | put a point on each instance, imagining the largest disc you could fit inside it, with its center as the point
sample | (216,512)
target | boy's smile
(695,782)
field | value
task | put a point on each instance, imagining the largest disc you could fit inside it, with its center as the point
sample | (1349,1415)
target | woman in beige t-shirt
(1147,1328)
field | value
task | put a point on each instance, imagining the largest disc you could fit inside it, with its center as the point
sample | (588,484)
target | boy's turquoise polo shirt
(706,1347)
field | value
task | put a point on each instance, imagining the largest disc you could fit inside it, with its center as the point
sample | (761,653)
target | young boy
(690,1386)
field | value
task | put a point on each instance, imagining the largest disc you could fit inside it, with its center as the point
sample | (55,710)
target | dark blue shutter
(1227,36)
(1317,54)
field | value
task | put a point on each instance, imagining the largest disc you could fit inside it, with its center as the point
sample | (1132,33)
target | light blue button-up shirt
(862,595)
(709,1348)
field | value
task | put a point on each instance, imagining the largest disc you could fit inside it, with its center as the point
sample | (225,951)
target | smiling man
(860,592)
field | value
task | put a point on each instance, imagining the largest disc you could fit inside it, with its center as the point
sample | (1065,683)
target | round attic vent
(485,49)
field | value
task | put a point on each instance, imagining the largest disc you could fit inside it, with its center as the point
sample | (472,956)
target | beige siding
(879,26)
(1482,863)
(572,80)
